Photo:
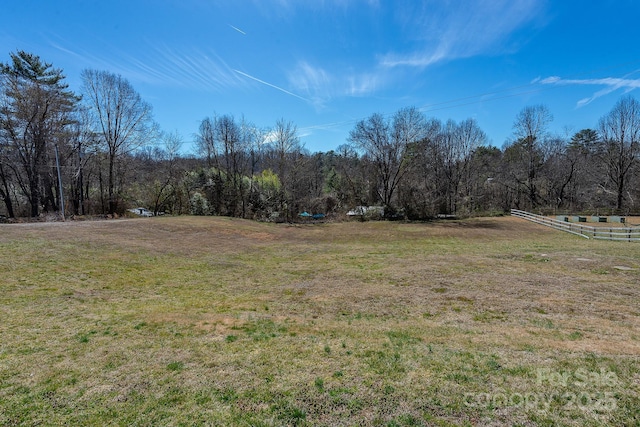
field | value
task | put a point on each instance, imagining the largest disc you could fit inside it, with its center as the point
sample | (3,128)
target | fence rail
(627,234)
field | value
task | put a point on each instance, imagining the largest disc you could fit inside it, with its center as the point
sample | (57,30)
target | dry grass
(216,321)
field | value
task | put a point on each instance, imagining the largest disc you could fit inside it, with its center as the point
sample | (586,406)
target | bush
(199,205)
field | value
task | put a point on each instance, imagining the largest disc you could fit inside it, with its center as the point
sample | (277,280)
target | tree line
(99,152)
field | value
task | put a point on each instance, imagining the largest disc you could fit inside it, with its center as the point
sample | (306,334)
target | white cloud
(549,80)
(320,86)
(315,82)
(443,31)
(611,84)
(363,84)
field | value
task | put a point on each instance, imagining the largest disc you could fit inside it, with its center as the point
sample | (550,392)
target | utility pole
(60,183)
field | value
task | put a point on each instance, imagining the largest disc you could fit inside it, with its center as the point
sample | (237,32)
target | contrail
(237,29)
(270,85)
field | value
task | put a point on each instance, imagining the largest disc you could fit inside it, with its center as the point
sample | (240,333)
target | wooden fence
(628,234)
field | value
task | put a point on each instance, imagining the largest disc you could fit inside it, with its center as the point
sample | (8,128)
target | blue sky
(324,64)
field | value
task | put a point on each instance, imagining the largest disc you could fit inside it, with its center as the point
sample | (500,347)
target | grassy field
(215,321)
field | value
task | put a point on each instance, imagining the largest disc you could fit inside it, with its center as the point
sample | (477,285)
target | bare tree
(230,148)
(284,155)
(164,183)
(284,140)
(121,119)
(530,132)
(346,178)
(6,178)
(486,175)
(83,143)
(387,145)
(583,155)
(421,193)
(620,132)
(456,143)
(561,168)
(470,137)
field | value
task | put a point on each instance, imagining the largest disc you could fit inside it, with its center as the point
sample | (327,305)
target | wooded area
(113,156)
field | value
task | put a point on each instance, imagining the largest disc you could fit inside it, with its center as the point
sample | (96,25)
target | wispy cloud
(309,79)
(321,86)
(161,65)
(328,127)
(83,57)
(363,84)
(194,69)
(443,31)
(316,83)
(611,84)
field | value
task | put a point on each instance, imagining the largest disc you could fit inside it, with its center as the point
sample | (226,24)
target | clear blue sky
(324,64)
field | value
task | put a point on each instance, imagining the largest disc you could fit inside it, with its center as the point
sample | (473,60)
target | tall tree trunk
(5,193)
(34,195)
(620,199)
(101,183)
(111,184)
(49,199)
